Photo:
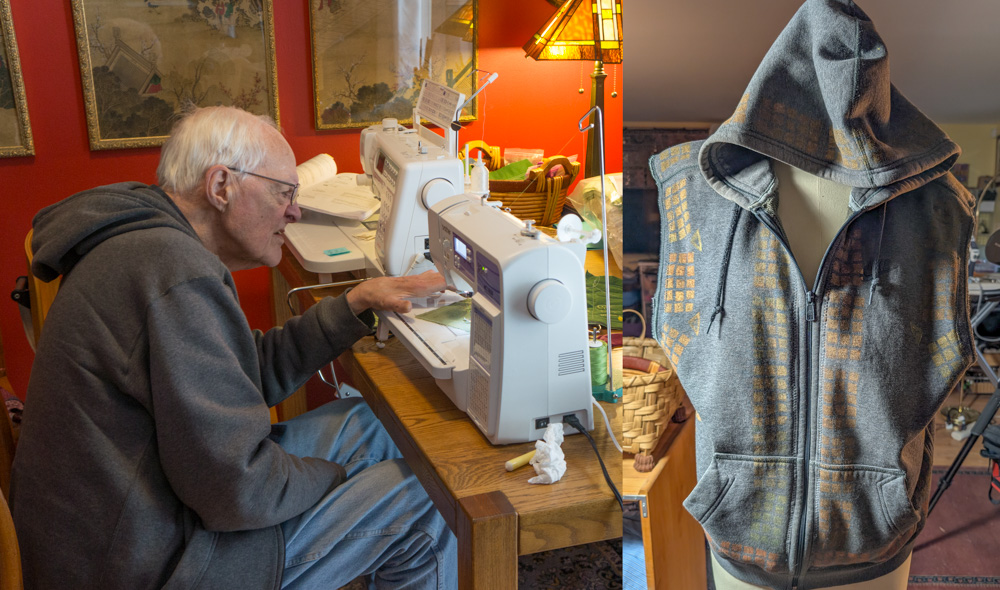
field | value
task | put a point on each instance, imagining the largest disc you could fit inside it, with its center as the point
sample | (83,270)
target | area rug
(960,544)
(595,566)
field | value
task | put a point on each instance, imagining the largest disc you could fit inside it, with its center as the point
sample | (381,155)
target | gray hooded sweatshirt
(815,407)
(145,459)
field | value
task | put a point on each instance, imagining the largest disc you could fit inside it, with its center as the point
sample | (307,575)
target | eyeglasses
(295,187)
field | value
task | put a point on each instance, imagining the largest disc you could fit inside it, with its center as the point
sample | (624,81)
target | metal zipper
(811,318)
(810,296)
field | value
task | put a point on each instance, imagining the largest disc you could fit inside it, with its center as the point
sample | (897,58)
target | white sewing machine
(411,170)
(525,361)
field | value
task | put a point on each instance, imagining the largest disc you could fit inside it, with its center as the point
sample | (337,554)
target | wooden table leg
(487,543)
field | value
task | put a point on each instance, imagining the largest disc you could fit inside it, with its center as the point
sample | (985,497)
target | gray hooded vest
(815,407)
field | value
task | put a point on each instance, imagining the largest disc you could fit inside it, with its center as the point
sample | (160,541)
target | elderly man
(147,458)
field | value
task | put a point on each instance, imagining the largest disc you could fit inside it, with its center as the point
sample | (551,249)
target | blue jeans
(379,523)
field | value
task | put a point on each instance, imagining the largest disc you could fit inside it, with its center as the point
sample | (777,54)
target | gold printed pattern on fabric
(673,155)
(842,342)
(740,115)
(772,410)
(678,297)
(789,126)
(839,519)
(676,206)
(678,283)
(839,415)
(768,273)
(944,293)
(840,149)
(764,541)
(842,525)
(946,355)
(673,343)
(945,352)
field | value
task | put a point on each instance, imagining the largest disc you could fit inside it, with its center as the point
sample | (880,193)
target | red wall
(532,104)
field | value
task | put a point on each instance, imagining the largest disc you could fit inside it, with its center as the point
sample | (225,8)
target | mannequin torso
(812,210)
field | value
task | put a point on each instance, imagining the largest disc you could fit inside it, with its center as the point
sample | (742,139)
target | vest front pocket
(862,515)
(743,503)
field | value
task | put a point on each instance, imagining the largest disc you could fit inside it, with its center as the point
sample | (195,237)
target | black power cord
(573,421)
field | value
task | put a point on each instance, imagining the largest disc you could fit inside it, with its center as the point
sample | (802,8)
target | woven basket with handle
(651,393)
(538,197)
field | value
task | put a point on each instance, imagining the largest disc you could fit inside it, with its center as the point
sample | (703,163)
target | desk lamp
(583,30)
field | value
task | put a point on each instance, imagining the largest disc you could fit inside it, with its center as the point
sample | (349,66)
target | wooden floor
(946,447)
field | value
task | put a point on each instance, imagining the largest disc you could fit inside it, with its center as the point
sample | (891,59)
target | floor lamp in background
(588,30)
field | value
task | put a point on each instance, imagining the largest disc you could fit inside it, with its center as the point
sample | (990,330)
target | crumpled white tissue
(549,461)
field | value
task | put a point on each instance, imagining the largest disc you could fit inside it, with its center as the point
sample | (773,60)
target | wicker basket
(539,197)
(651,393)
(650,397)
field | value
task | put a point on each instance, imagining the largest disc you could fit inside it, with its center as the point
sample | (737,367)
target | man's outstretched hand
(390,293)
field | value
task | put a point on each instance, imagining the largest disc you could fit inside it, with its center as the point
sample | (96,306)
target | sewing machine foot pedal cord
(573,421)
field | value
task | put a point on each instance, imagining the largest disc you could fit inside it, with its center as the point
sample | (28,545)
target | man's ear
(218,187)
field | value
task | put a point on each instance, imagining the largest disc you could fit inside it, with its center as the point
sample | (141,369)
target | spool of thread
(598,364)
(617,362)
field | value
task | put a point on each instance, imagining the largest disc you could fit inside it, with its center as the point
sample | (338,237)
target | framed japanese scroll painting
(143,62)
(15,129)
(370,57)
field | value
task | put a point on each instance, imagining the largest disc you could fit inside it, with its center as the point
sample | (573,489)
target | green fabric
(596,306)
(456,315)
(512,171)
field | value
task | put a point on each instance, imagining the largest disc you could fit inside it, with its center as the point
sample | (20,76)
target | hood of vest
(821,101)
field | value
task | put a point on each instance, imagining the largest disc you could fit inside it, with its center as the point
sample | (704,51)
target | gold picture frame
(15,128)
(142,62)
(370,57)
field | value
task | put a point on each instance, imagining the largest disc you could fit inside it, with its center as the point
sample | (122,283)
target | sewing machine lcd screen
(386,167)
(488,278)
(464,258)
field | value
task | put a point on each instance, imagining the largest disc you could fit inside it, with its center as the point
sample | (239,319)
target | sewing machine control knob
(549,301)
(529,229)
(436,191)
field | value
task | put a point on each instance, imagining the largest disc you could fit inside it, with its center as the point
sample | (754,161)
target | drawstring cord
(878,256)
(720,296)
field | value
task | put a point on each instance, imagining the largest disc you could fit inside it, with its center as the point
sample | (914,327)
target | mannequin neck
(812,211)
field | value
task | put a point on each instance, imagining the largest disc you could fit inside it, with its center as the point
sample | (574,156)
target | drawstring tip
(871,291)
(718,312)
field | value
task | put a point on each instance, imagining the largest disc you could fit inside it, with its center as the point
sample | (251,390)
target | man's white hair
(204,137)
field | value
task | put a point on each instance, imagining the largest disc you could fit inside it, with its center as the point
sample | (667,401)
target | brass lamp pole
(583,30)
(591,166)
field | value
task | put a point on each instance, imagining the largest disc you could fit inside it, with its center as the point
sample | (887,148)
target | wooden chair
(10,554)
(41,294)
(6,433)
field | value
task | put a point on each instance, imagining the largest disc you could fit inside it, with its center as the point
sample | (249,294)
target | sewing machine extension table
(495,514)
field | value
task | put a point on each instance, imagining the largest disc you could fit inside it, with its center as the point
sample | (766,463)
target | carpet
(960,544)
(596,566)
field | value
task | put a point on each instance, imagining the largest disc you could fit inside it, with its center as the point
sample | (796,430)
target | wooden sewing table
(495,514)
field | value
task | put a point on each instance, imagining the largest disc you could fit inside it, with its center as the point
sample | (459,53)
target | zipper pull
(810,306)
